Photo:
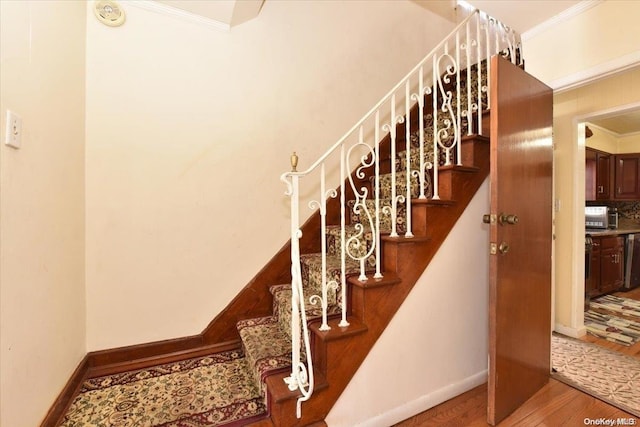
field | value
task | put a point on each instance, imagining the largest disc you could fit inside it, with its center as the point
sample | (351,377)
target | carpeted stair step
(359,246)
(361,217)
(311,266)
(282,308)
(267,348)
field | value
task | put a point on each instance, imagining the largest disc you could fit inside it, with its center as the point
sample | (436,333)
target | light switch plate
(13,135)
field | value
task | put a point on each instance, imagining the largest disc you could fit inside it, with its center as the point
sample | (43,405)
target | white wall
(42,299)
(435,347)
(188,130)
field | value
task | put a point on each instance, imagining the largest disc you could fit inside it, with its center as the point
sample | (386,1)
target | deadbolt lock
(489,219)
(503,248)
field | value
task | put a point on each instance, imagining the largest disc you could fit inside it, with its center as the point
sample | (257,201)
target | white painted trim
(565,15)
(576,315)
(570,332)
(592,74)
(618,110)
(179,13)
(425,402)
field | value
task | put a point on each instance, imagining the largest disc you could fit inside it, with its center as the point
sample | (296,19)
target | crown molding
(563,16)
(598,72)
(179,13)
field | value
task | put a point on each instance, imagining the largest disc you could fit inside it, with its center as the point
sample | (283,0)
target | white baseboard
(425,402)
(569,331)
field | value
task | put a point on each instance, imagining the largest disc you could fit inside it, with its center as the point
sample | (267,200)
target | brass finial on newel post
(294,162)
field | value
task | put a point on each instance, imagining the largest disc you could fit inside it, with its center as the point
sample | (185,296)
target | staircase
(378,230)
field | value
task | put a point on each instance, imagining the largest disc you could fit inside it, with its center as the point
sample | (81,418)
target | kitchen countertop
(625,227)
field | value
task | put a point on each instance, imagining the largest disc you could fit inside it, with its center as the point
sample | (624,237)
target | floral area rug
(205,391)
(602,373)
(612,328)
(622,306)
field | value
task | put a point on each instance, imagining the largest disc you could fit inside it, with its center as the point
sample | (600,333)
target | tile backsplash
(627,209)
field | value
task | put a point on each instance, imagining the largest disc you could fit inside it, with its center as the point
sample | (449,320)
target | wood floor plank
(556,404)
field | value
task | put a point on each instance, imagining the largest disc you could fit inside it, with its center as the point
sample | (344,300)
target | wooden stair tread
(388,278)
(337,332)
(279,390)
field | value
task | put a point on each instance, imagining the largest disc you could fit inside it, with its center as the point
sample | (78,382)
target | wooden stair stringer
(407,258)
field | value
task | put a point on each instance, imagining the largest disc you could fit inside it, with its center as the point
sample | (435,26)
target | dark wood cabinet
(592,283)
(598,171)
(607,266)
(627,176)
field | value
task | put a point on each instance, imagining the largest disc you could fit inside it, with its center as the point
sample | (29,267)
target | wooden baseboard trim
(159,359)
(124,354)
(64,399)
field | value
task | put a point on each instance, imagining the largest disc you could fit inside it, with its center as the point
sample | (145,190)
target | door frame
(577,329)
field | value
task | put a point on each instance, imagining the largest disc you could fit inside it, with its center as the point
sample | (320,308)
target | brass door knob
(508,219)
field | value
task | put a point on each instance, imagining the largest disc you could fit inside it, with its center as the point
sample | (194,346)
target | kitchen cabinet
(627,176)
(607,265)
(598,168)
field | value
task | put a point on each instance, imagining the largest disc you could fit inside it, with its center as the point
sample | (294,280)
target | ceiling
(621,124)
(523,15)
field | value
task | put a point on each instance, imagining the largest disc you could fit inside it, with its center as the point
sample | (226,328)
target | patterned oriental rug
(602,373)
(204,391)
(612,328)
(619,305)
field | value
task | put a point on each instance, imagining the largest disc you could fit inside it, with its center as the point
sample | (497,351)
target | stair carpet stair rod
(441,99)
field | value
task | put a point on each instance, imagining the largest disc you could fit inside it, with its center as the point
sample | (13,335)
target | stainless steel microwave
(596,217)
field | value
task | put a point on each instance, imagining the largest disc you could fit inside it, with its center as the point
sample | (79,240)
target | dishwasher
(632,269)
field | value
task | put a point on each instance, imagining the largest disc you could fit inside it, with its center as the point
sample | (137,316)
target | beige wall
(599,39)
(42,299)
(571,107)
(188,131)
(605,140)
(435,347)
(629,144)
(570,53)
(602,140)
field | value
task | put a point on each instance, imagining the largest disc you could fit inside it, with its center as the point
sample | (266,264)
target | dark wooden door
(590,168)
(611,264)
(603,177)
(520,271)
(627,182)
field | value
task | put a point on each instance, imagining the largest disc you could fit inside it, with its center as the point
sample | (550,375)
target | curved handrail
(383,100)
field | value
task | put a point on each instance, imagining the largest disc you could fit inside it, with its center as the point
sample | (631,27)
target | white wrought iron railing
(448,91)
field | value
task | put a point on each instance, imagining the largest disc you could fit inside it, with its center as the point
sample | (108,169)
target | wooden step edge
(387,279)
(476,137)
(176,356)
(456,168)
(355,327)
(406,240)
(278,390)
(433,202)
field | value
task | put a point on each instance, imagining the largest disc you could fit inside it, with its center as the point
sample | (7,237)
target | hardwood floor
(633,350)
(556,404)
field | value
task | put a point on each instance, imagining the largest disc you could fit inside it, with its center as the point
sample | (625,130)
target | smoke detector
(109,12)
